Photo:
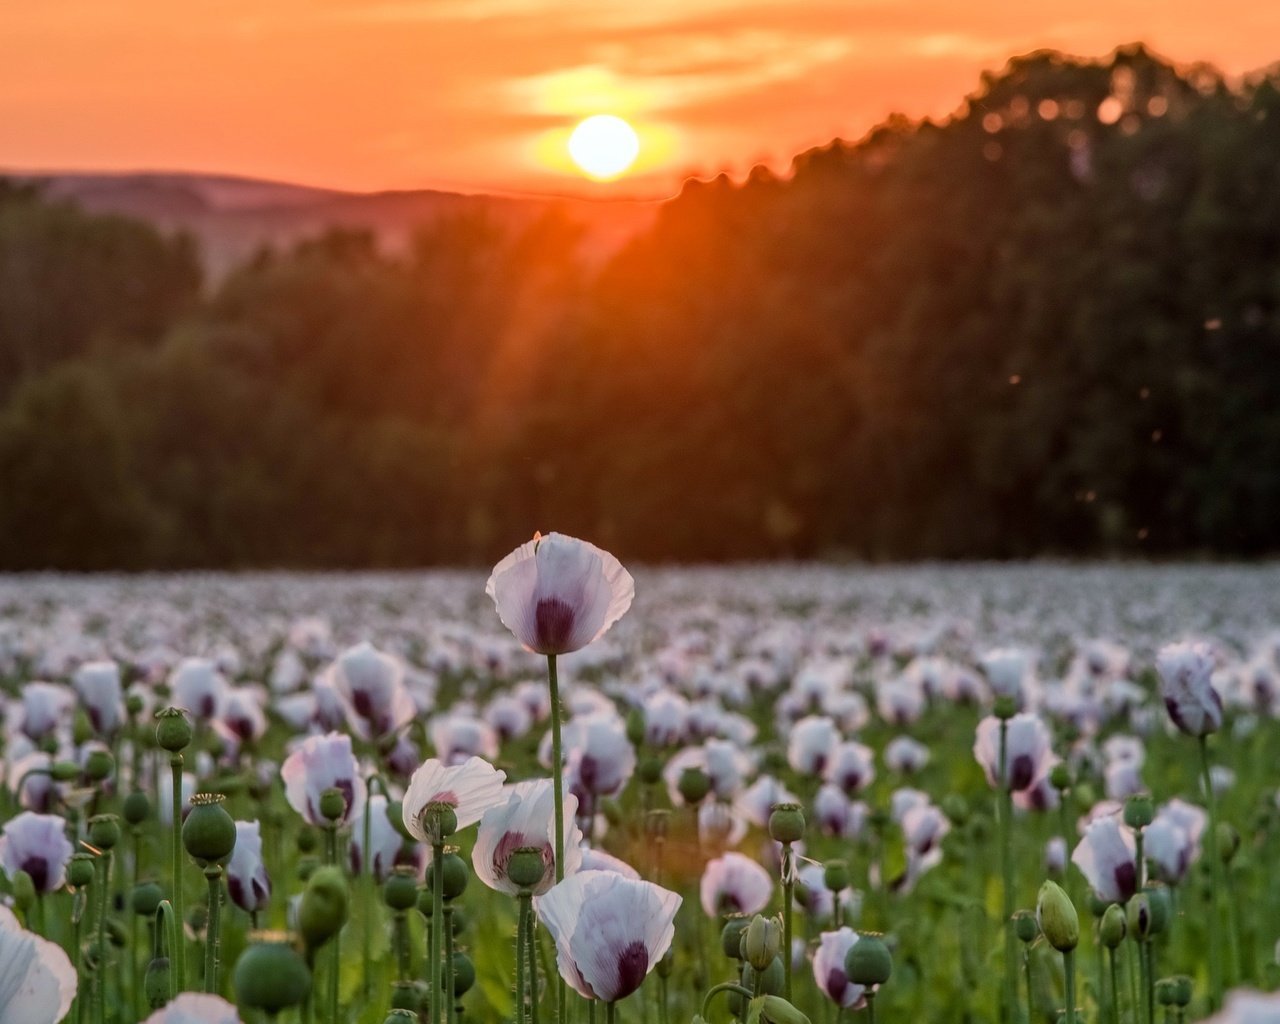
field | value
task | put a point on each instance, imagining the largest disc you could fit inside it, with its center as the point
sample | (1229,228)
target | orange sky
(480,94)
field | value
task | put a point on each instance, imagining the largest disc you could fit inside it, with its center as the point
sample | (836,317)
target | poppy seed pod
(332,804)
(99,765)
(400,1015)
(1005,708)
(1139,811)
(526,867)
(80,870)
(835,875)
(1166,992)
(401,890)
(306,840)
(694,784)
(1024,925)
(773,979)
(1060,776)
(104,831)
(271,976)
(1114,926)
(454,874)
(868,961)
(956,808)
(1183,990)
(1057,917)
(409,996)
(209,833)
(464,974)
(64,771)
(137,807)
(731,936)
(323,910)
(173,731)
(145,898)
(786,823)
(761,941)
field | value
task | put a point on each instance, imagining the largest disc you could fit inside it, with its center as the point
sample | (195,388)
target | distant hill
(234,217)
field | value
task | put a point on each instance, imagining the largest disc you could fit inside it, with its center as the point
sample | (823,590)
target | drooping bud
(761,941)
(209,833)
(635,726)
(173,731)
(155,984)
(271,976)
(776,1010)
(868,961)
(786,823)
(1228,842)
(1057,917)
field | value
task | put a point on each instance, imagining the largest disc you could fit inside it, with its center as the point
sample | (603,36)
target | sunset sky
(482,94)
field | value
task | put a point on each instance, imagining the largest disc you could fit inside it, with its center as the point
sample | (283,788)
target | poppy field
(570,792)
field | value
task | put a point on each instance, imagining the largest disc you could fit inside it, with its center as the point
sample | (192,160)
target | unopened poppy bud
(1139,917)
(525,867)
(323,910)
(81,728)
(1114,927)
(731,936)
(454,874)
(694,784)
(835,874)
(145,898)
(649,769)
(173,731)
(333,805)
(209,833)
(1228,842)
(1183,990)
(104,831)
(64,771)
(155,984)
(776,1010)
(24,891)
(1025,927)
(1060,776)
(1085,794)
(1057,917)
(1166,992)
(137,807)
(80,870)
(761,941)
(464,974)
(1161,907)
(1139,811)
(868,961)
(772,980)
(400,1016)
(400,892)
(271,976)
(99,765)
(1005,708)
(786,823)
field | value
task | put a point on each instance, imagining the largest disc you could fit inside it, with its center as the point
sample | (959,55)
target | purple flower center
(836,983)
(38,869)
(633,965)
(1126,876)
(553,620)
(1021,772)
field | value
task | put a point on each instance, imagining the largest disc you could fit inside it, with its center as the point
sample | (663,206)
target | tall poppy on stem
(557,594)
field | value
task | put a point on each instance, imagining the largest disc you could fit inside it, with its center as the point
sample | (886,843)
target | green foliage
(1045,326)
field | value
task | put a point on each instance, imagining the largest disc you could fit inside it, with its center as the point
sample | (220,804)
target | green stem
(724,986)
(557,782)
(1115,987)
(1133,985)
(366,911)
(610,1012)
(1149,962)
(1026,959)
(787,887)
(1069,965)
(177,955)
(100,954)
(531,945)
(167,921)
(437,925)
(335,976)
(1215,866)
(522,931)
(213,873)
(871,1006)
(1006,871)
(402,946)
(135,979)
(448,963)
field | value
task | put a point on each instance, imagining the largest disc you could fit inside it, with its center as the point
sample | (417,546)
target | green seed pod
(731,935)
(773,979)
(306,840)
(426,902)
(408,995)
(137,807)
(155,984)
(1139,811)
(306,868)
(455,874)
(1085,795)
(649,770)
(99,765)
(1025,927)
(104,831)
(209,833)
(173,731)
(64,771)
(526,868)
(439,821)
(786,823)
(145,898)
(80,870)
(271,976)
(24,891)
(333,805)
(694,784)
(956,808)
(133,705)
(868,961)
(1060,776)
(1166,992)
(1140,917)
(776,1010)
(400,891)
(761,941)
(323,910)
(1114,926)
(1161,908)
(459,920)
(1183,990)
(835,875)
(1005,708)
(464,974)
(398,1015)
(1057,917)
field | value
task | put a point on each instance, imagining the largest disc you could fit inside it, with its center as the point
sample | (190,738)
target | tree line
(1046,325)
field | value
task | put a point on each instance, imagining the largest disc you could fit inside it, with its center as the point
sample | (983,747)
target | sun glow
(604,146)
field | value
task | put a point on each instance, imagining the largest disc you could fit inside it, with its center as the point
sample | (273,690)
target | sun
(604,146)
